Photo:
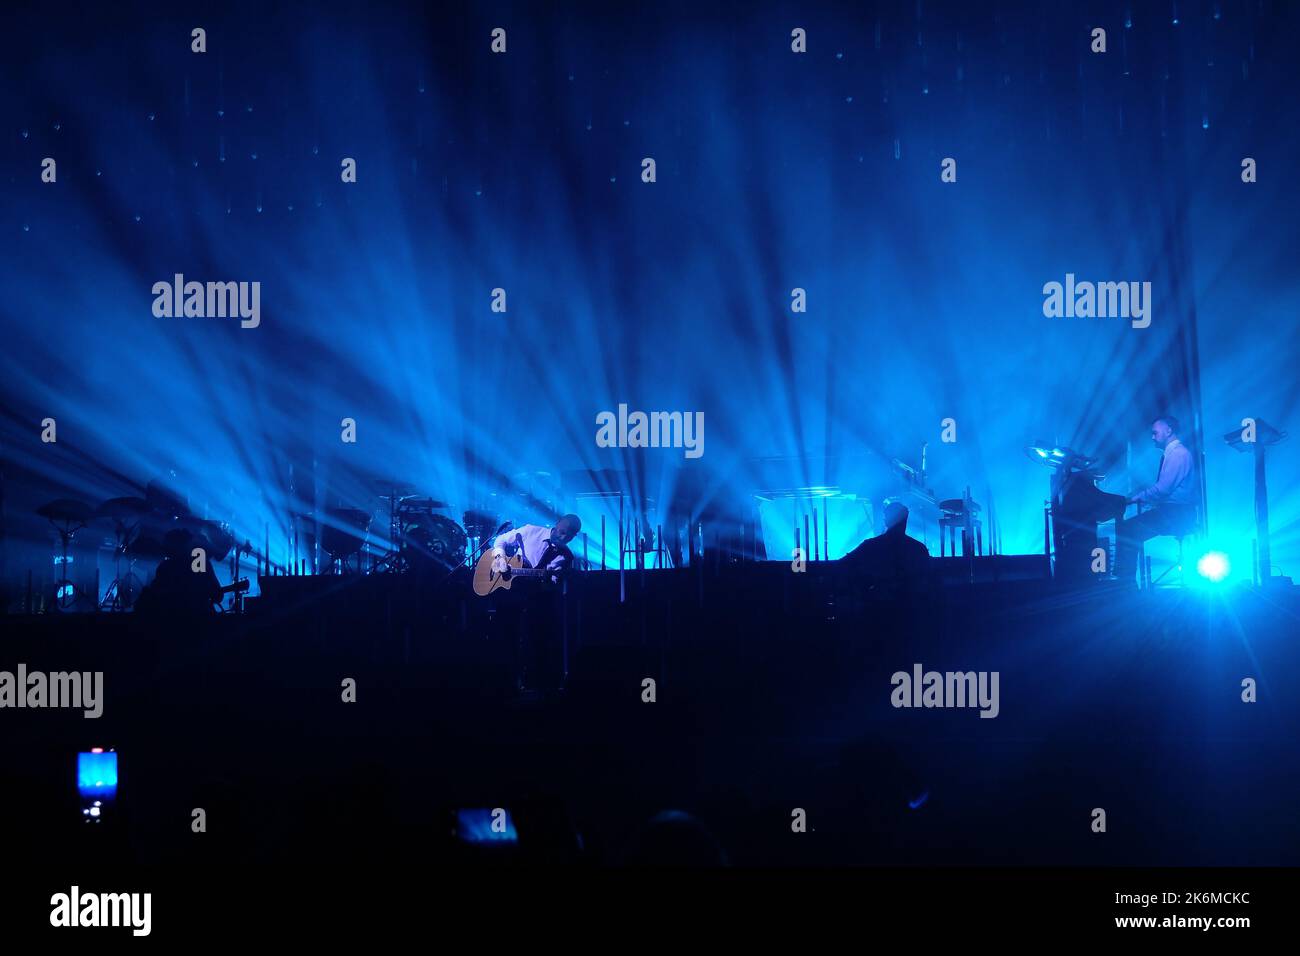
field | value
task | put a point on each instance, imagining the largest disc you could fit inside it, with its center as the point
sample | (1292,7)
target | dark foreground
(773,695)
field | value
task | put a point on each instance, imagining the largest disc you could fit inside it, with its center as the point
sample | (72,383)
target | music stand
(1265,435)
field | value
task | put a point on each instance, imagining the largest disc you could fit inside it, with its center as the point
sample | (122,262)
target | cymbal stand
(394,560)
(122,533)
(66,531)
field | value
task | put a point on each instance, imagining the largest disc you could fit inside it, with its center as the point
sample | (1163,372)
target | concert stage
(819,438)
(772,693)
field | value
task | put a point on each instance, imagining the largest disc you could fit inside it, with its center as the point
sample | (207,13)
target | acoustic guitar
(487,580)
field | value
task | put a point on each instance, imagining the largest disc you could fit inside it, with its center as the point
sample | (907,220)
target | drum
(435,539)
(344,531)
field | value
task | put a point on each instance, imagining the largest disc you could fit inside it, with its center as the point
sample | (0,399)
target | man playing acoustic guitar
(540,547)
(534,621)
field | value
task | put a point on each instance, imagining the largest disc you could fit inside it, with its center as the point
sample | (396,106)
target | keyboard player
(1167,507)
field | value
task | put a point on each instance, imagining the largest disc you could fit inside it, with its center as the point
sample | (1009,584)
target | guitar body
(486,580)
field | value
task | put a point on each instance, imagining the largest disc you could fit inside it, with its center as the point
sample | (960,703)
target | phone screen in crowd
(96,782)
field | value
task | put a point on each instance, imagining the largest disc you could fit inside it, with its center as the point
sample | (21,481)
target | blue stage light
(476,826)
(1213,566)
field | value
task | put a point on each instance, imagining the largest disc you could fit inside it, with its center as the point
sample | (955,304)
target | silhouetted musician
(176,588)
(891,557)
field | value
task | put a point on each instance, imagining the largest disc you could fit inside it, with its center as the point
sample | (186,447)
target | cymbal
(122,508)
(422,504)
(66,509)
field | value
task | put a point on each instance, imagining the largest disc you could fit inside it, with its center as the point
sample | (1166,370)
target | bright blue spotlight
(1213,566)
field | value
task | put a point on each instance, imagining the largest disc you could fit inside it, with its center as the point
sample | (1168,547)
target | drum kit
(423,537)
(143,528)
(419,535)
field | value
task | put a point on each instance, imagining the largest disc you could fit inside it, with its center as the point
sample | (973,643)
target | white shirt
(1174,486)
(531,540)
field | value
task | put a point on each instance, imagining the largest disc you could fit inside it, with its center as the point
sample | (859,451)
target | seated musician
(1167,507)
(176,588)
(540,546)
(891,556)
